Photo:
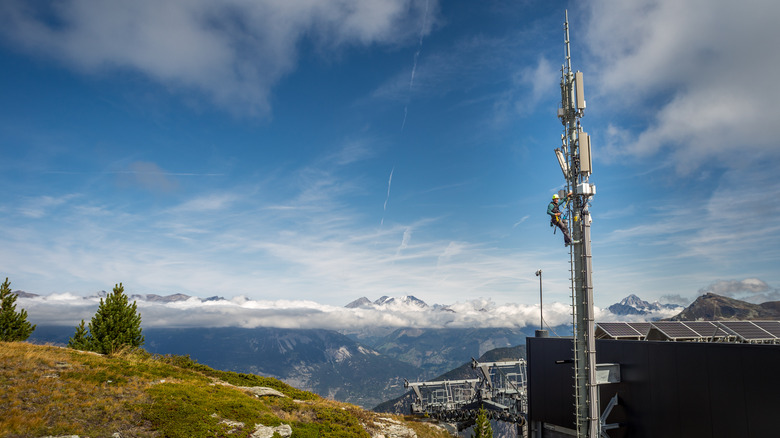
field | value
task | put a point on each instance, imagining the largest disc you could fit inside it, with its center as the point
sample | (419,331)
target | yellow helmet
(555,196)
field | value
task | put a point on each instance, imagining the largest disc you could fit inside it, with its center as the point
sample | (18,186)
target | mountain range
(152,298)
(322,361)
(633,305)
(364,302)
(367,365)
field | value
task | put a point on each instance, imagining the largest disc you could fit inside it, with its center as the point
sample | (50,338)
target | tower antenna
(575,159)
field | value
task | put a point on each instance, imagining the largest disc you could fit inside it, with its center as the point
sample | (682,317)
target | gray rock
(261,391)
(267,432)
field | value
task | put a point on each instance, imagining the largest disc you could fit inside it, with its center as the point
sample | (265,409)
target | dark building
(666,389)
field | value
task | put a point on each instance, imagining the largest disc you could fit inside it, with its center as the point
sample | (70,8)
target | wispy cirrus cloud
(726,225)
(282,237)
(40,206)
(476,60)
(210,202)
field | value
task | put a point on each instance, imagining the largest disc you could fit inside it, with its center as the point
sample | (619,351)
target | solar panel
(675,329)
(772,327)
(747,330)
(641,327)
(706,329)
(618,329)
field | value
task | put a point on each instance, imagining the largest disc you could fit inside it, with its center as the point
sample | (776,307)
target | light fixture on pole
(541,333)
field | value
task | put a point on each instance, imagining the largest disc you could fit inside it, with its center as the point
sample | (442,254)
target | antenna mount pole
(577,169)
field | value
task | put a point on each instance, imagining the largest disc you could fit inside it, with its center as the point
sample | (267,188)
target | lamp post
(541,333)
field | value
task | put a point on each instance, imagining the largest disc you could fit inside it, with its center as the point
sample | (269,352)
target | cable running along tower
(574,157)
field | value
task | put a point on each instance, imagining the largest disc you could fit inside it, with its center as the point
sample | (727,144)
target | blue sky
(328,150)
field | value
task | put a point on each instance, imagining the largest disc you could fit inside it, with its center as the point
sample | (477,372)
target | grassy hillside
(47,390)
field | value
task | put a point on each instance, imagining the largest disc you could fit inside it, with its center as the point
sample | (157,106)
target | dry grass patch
(47,390)
(38,395)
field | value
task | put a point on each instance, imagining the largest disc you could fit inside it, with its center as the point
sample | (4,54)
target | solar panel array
(712,331)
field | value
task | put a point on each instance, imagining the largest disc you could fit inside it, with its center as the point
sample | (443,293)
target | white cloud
(534,84)
(752,290)
(69,310)
(695,70)
(232,51)
(728,287)
(604,315)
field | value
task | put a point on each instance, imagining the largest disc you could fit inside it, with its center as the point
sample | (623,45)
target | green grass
(179,410)
(46,390)
(239,379)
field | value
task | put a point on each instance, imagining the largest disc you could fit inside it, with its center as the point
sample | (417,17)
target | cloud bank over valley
(181,311)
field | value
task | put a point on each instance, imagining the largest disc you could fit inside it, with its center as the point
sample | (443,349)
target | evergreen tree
(116,324)
(81,340)
(13,325)
(482,429)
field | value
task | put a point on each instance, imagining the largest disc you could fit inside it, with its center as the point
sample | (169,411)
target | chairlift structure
(500,387)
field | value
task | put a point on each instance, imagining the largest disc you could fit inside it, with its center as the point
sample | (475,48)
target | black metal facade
(667,389)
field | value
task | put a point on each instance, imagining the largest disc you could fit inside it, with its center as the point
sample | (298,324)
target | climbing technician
(557,219)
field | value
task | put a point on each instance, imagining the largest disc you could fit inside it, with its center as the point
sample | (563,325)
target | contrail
(389,182)
(416,57)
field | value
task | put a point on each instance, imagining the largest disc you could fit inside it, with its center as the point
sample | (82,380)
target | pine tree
(482,429)
(13,325)
(116,324)
(81,340)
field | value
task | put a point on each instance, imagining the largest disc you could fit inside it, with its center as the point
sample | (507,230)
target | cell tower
(574,157)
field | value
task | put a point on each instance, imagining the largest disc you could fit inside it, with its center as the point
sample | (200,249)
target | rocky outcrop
(385,427)
(260,391)
(713,307)
(267,432)
(259,431)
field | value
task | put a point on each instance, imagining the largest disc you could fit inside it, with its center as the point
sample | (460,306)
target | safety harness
(555,218)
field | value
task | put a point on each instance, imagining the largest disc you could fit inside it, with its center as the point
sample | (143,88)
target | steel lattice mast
(574,157)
